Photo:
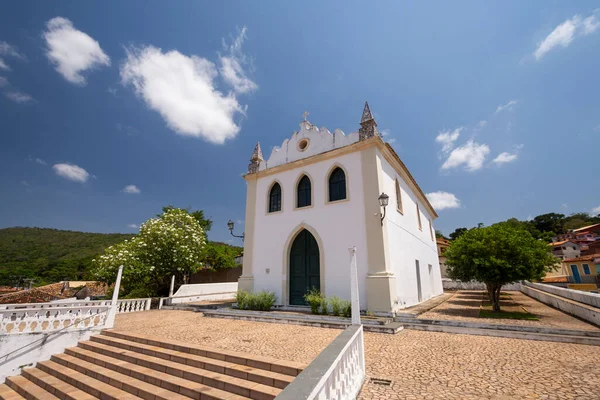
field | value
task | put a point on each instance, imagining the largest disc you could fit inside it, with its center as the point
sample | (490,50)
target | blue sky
(108,111)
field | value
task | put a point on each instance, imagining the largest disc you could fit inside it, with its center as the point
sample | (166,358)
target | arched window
(275,198)
(398,197)
(303,198)
(337,185)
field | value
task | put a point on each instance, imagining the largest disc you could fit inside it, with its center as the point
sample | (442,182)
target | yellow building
(583,270)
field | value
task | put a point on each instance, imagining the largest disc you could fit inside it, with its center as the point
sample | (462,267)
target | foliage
(198,215)
(498,255)
(219,255)
(314,298)
(50,255)
(259,301)
(168,245)
(457,233)
(439,234)
(324,306)
(346,308)
(336,305)
(507,315)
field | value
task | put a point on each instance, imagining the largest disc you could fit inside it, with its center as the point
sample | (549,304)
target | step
(7,393)
(261,362)
(166,373)
(57,387)
(223,367)
(85,382)
(28,389)
(109,369)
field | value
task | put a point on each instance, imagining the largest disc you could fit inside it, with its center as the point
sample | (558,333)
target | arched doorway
(305,271)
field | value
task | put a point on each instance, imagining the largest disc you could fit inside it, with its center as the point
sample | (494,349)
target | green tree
(217,256)
(171,244)
(551,222)
(457,233)
(198,215)
(439,234)
(498,255)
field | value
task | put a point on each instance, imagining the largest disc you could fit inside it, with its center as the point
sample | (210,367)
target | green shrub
(241,297)
(314,298)
(324,306)
(259,301)
(336,305)
(347,308)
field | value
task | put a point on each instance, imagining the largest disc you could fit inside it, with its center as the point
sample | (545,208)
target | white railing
(338,371)
(123,305)
(133,305)
(40,320)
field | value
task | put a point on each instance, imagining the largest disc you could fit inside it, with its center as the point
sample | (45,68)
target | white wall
(338,225)
(407,243)
(30,348)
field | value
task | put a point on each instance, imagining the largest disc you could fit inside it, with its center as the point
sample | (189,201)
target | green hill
(50,255)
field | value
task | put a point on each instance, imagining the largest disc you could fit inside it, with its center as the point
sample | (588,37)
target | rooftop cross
(305,114)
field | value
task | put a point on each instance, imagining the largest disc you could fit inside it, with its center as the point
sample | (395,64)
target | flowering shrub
(170,244)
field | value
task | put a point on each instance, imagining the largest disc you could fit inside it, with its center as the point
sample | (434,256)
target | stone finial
(368,126)
(255,160)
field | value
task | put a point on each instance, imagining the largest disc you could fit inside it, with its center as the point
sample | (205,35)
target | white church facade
(319,194)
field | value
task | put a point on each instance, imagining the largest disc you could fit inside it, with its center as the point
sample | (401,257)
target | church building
(321,193)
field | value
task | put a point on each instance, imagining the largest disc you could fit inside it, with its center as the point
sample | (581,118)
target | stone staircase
(119,365)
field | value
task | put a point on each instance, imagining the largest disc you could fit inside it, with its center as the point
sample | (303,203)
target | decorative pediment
(307,142)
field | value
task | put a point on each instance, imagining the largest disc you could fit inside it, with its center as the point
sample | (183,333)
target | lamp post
(230,226)
(383,202)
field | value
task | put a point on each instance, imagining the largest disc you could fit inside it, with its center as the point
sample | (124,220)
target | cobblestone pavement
(421,365)
(464,306)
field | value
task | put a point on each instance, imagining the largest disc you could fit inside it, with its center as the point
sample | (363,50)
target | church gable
(307,142)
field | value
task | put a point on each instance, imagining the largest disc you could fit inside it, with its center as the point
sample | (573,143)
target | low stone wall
(201,292)
(572,307)
(449,284)
(216,276)
(591,299)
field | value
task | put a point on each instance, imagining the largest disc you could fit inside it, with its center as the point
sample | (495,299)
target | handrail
(341,365)
(46,334)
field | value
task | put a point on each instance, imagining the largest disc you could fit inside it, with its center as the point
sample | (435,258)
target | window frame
(586,269)
(399,205)
(311,194)
(419,223)
(275,182)
(333,168)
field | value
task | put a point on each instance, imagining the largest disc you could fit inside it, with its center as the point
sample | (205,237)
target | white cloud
(447,139)
(481,124)
(232,65)
(590,24)
(112,91)
(504,158)
(131,189)
(40,161)
(596,210)
(71,172)
(392,140)
(564,34)
(19,97)
(471,154)
(25,183)
(384,132)
(508,106)
(3,81)
(564,205)
(133,226)
(182,90)
(443,200)
(72,51)
(8,50)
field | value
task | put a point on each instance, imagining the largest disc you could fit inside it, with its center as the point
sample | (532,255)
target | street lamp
(230,227)
(383,202)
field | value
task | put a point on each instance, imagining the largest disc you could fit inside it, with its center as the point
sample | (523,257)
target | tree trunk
(493,290)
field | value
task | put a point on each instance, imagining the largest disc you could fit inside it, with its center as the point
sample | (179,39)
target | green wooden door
(305,272)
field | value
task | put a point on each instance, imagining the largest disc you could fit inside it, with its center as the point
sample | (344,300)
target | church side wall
(407,243)
(337,226)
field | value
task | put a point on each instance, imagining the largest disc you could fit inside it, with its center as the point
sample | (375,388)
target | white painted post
(148,303)
(354,287)
(112,311)
(172,286)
